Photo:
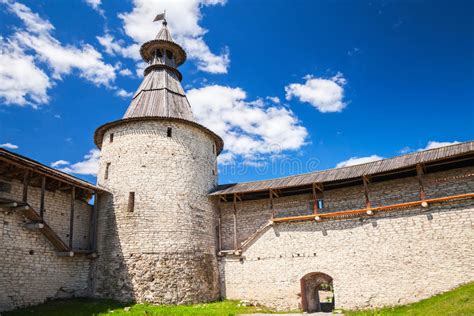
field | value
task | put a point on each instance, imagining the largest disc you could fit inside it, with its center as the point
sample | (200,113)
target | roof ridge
(346,167)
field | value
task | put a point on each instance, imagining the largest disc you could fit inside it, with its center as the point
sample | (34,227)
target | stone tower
(157,231)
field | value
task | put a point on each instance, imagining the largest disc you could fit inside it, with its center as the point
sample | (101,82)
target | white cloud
(434,144)
(249,129)
(275,100)
(123,93)
(88,166)
(430,145)
(59,163)
(183,20)
(95,4)
(9,146)
(36,36)
(357,161)
(21,81)
(326,95)
(126,72)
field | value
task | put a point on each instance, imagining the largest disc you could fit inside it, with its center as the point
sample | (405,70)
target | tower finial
(161,16)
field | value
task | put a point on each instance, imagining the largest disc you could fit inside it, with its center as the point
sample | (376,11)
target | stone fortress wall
(30,270)
(160,248)
(389,258)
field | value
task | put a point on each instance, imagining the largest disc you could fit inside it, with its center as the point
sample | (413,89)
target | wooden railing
(373,210)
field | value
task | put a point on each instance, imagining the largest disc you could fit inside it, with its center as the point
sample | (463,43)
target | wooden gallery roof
(452,156)
(14,166)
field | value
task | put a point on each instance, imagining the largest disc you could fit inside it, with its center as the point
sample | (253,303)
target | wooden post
(235,220)
(26,181)
(271,204)
(420,172)
(93,229)
(71,220)
(366,181)
(317,188)
(219,225)
(43,191)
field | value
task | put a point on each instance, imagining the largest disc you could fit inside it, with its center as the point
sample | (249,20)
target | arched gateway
(317,292)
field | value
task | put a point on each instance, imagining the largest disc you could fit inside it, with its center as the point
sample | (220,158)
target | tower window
(111,137)
(169,132)
(107,169)
(159,54)
(169,54)
(131,201)
(214,149)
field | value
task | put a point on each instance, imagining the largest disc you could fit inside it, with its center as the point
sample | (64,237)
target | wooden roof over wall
(399,164)
(24,163)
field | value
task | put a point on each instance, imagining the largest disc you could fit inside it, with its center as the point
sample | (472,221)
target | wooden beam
(420,171)
(219,226)
(222,198)
(271,204)
(49,174)
(26,181)
(366,181)
(315,200)
(34,226)
(235,221)
(43,191)
(71,219)
(8,205)
(93,229)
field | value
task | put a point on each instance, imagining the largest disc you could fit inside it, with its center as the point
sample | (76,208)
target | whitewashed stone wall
(30,270)
(165,250)
(388,259)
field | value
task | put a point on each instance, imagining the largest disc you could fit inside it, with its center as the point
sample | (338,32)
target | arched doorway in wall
(317,292)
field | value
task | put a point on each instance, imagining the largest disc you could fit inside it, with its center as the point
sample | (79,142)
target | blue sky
(291,86)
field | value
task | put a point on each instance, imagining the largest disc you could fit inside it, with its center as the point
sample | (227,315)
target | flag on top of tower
(160,17)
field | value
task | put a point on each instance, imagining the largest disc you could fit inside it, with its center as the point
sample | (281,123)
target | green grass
(88,307)
(458,302)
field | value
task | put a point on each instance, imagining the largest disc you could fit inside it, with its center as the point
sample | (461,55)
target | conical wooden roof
(160,94)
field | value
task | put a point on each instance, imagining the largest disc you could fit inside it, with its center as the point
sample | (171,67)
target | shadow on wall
(110,277)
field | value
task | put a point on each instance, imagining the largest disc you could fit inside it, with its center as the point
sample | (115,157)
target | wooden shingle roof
(351,172)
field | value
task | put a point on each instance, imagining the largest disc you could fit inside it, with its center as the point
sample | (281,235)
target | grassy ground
(459,302)
(89,307)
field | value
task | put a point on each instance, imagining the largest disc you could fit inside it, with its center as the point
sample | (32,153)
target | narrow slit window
(320,204)
(131,201)
(111,138)
(107,169)
(169,132)
(214,149)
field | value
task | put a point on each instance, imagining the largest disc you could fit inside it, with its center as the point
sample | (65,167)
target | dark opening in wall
(5,187)
(159,53)
(169,54)
(320,204)
(214,149)
(131,201)
(111,137)
(169,132)
(31,252)
(107,169)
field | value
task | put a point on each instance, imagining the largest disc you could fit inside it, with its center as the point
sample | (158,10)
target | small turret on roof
(160,94)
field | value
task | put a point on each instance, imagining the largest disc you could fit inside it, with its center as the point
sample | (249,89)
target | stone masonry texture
(30,270)
(390,258)
(164,250)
